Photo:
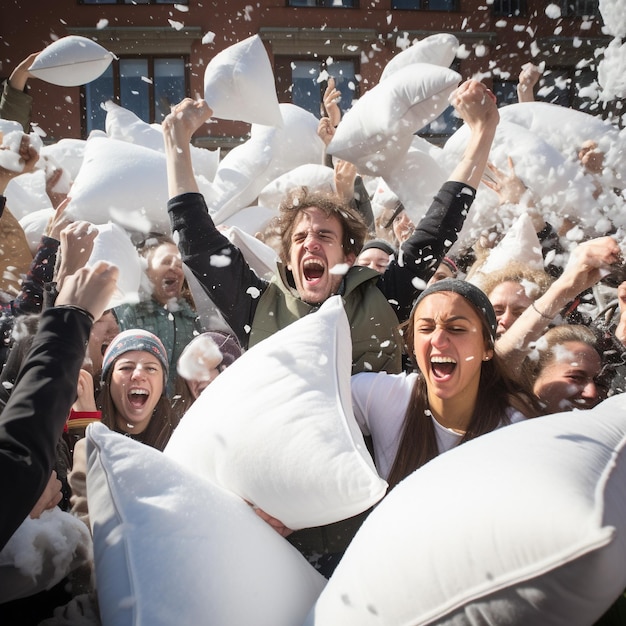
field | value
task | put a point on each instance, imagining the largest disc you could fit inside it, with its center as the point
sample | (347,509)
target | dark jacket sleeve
(36,412)
(422,252)
(218,265)
(16,105)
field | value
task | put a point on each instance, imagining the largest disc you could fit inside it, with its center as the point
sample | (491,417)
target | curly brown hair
(353,227)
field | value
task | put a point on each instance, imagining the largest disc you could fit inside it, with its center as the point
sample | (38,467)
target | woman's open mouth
(442,367)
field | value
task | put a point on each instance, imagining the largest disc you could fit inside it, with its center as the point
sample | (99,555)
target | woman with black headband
(462,389)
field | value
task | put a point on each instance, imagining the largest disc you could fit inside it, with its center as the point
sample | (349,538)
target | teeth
(442,359)
(312,262)
(139,392)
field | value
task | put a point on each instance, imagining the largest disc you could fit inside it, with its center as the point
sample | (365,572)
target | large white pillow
(277,427)
(67,153)
(407,101)
(239,84)
(524,525)
(439,49)
(124,125)
(172,548)
(71,61)
(122,183)
(34,225)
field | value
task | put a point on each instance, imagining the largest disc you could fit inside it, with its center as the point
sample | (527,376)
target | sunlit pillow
(277,426)
(71,61)
(122,183)
(239,84)
(438,49)
(407,101)
(66,153)
(524,525)
(172,548)
(34,225)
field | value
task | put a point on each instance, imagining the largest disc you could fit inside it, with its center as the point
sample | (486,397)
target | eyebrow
(447,320)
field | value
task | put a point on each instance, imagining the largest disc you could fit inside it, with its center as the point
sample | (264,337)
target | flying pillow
(239,84)
(524,525)
(66,153)
(277,427)
(407,101)
(439,49)
(34,225)
(71,61)
(171,548)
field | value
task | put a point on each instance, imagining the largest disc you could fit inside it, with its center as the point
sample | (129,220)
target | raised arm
(178,128)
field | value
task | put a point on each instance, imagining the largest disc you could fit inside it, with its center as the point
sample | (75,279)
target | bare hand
(90,288)
(276,524)
(50,497)
(475,104)
(76,247)
(331,99)
(345,173)
(20,74)
(58,221)
(325,130)
(27,158)
(528,78)
(185,119)
(52,180)
(85,395)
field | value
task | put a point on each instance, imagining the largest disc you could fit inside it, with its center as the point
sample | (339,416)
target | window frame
(569,8)
(322,4)
(132,2)
(520,10)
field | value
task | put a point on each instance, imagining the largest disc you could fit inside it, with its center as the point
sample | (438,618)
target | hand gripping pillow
(171,548)
(525,525)
(439,49)
(71,61)
(277,426)
(239,84)
(407,101)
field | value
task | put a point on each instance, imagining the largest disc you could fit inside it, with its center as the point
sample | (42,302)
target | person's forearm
(472,165)
(180,176)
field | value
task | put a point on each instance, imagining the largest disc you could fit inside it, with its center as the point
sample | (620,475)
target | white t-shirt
(380,400)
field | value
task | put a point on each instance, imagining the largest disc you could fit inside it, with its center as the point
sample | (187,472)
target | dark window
(346,4)
(425,5)
(510,8)
(579,8)
(147,86)
(505,92)
(303,81)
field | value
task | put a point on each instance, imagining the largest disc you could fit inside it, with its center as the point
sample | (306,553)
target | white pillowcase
(524,525)
(438,49)
(407,101)
(122,183)
(277,426)
(239,84)
(71,61)
(171,548)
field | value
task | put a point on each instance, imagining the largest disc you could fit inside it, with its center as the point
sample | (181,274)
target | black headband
(470,292)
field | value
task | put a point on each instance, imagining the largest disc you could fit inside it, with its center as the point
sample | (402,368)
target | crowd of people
(441,353)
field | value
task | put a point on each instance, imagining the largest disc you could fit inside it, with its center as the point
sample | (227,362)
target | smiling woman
(460,392)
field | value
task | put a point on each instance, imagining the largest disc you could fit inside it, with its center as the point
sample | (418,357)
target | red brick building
(163,48)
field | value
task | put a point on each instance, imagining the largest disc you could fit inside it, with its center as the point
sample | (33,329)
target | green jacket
(16,105)
(376,342)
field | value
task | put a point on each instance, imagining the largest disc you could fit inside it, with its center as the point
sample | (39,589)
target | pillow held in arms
(524,525)
(161,532)
(71,61)
(277,427)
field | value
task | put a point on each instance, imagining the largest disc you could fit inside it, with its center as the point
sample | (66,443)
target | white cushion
(26,194)
(67,153)
(9,126)
(613,17)
(122,183)
(124,125)
(34,225)
(277,427)
(239,84)
(524,525)
(316,178)
(407,101)
(171,548)
(438,49)
(41,552)
(71,61)
(258,255)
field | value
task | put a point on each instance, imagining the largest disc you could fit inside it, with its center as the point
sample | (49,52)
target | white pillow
(9,126)
(41,552)
(239,84)
(171,548)
(407,101)
(67,153)
(317,178)
(34,225)
(524,525)
(439,49)
(124,125)
(71,61)
(26,194)
(277,426)
(258,255)
(122,183)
